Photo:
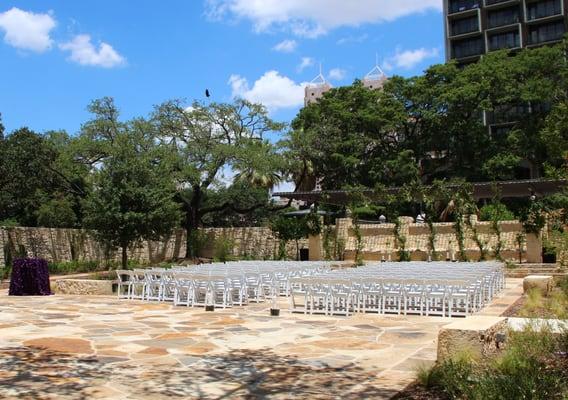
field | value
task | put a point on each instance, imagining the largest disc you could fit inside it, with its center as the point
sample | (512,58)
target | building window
(466,25)
(546,33)
(455,6)
(506,40)
(503,17)
(468,48)
(543,9)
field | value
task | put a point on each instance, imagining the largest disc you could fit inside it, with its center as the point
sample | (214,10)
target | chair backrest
(120,273)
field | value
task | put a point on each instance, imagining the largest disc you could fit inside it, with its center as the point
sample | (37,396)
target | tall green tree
(27,175)
(132,193)
(217,144)
(1,128)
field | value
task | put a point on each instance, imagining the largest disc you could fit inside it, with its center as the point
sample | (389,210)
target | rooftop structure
(375,79)
(316,88)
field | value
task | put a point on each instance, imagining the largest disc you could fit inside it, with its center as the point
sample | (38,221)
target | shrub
(223,249)
(495,212)
(73,267)
(523,371)
(57,213)
(563,285)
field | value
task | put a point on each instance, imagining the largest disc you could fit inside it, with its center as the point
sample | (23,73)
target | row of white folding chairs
(194,289)
(484,287)
(275,275)
(344,296)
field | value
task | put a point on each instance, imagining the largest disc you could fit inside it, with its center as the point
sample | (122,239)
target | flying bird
(207,94)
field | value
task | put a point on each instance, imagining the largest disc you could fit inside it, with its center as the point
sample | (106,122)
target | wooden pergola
(481,190)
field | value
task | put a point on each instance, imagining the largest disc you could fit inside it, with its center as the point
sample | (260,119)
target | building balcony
(463,6)
(542,10)
(499,3)
(544,18)
(460,35)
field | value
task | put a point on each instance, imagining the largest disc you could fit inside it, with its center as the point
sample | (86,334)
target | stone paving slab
(83,347)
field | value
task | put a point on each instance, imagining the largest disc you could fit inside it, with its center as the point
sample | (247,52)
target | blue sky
(56,56)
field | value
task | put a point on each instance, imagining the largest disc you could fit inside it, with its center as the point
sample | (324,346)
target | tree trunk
(124,256)
(297,250)
(191,224)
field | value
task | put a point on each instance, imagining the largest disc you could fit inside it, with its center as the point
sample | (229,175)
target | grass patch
(536,305)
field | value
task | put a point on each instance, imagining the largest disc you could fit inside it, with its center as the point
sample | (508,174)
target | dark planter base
(549,258)
(209,308)
(274,312)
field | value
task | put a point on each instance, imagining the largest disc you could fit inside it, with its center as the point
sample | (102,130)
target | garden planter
(549,258)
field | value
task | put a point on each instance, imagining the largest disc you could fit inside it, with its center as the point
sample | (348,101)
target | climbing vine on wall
(496,229)
(403,254)
(481,245)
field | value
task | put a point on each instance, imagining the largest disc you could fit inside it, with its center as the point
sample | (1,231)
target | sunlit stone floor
(73,347)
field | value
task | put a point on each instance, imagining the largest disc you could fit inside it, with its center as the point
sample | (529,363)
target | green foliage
(132,196)
(251,201)
(403,254)
(462,205)
(327,240)
(358,243)
(520,239)
(223,249)
(495,212)
(533,217)
(205,141)
(75,267)
(57,213)
(27,175)
(9,223)
(289,229)
(481,244)
(522,371)
(431,126)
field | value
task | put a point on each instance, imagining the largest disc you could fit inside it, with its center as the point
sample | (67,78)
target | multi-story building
(476,27)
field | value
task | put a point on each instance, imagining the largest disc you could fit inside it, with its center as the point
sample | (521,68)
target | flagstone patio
(77,347)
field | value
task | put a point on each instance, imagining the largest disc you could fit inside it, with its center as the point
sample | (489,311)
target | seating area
(434,288)
(219,284)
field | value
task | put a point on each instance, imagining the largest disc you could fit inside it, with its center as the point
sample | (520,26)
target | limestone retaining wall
(77,244)
(379,241)
(86,287)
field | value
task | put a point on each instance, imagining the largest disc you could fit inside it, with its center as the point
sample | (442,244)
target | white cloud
(273,90)
(27,30)
(337,74)
(311,18)
(305,63)
(409,58)
(353,39)
(85,53)
(286,46)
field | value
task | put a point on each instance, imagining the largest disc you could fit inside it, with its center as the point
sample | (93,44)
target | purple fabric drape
(30,277)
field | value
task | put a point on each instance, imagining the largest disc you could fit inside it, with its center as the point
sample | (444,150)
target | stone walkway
(71,347)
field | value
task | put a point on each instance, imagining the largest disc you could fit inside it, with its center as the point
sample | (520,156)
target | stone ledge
(544,283)
(478,335)
(87,287)
(555,326)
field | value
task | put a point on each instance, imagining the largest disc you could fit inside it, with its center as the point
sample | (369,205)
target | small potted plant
(209,304)
(274,308)
(549,253)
